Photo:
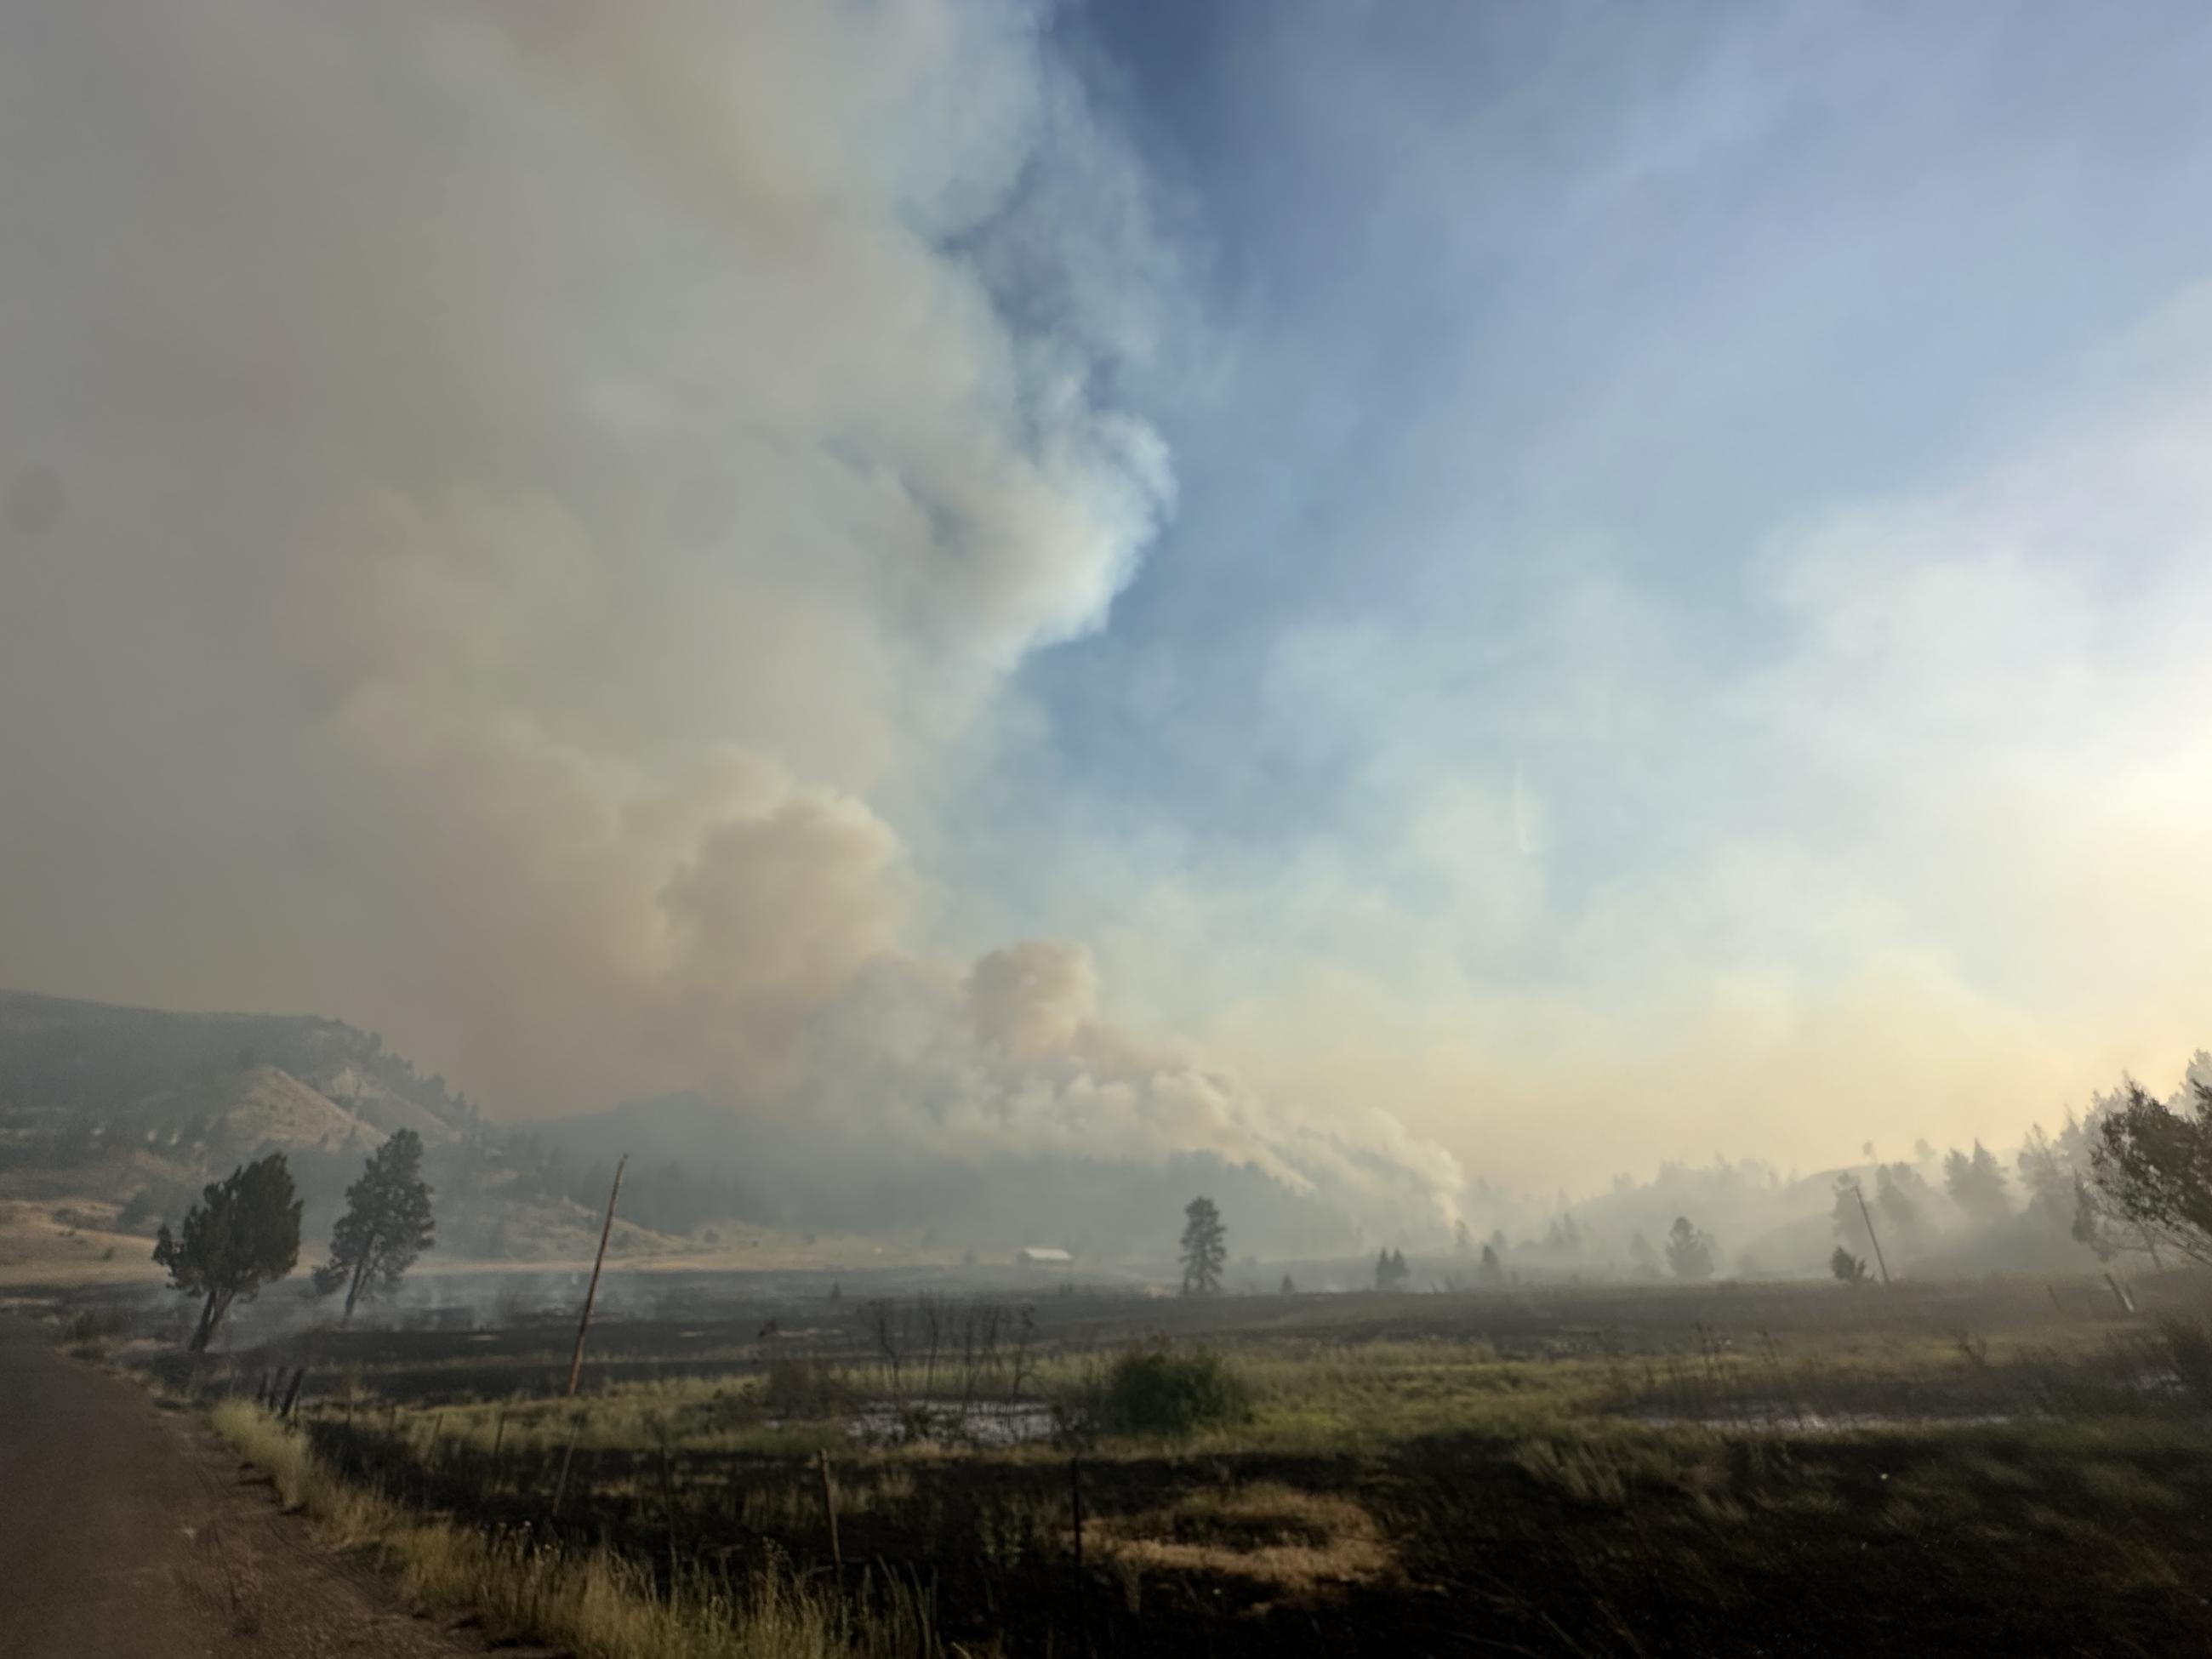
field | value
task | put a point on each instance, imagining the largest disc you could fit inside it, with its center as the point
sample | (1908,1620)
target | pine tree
(1976,1184)
(386,1223)
(1205,1247)
(1900,1196)
(2087,1227)
(1493,1271)
(1689,1252)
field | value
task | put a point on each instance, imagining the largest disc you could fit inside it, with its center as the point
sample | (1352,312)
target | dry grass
(1296,1542)
(69,1242)
(596,1606)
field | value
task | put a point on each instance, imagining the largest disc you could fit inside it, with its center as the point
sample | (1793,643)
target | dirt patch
(129,1530)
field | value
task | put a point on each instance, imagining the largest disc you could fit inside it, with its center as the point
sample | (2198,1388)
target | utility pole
(591,1292)
(1857,1192)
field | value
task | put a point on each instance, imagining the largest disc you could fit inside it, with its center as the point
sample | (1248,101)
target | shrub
(2188,1344)
(803,1387)
(1153,1389)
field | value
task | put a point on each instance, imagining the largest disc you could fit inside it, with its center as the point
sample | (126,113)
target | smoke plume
(497,501)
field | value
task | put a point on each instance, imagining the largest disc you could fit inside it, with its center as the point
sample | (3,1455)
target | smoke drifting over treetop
(512,491)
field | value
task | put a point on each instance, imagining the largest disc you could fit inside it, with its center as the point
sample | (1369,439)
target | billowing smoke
(1013,1060)
(499,497)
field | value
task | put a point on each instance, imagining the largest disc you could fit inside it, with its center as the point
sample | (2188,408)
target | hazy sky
(1521,589)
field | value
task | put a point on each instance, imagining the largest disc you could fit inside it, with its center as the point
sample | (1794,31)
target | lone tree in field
(2153,1170)
(386,1223)
(244,1232)
(1205,1247)
(1689,1252)
(1851,1269)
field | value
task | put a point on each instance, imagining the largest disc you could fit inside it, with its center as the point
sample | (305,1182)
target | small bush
(803,1387)
(1153,1389)
(2188,1344)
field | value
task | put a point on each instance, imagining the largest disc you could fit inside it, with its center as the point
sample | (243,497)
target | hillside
(112,1118)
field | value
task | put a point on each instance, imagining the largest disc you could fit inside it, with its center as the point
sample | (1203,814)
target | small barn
(1041,1255)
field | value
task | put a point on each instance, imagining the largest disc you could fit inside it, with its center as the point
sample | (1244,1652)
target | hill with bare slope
(113,1118)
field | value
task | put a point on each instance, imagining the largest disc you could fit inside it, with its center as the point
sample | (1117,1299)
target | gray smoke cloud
(496,498)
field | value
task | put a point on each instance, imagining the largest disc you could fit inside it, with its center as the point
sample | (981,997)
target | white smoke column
(498,496)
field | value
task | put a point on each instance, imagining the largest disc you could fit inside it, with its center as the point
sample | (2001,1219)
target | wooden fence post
(560,1485)
(830,1510)
(1075,1513)
(668,1510)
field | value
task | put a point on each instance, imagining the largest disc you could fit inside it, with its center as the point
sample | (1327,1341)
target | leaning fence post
(592,1291)
(292,1393)
(830,1510)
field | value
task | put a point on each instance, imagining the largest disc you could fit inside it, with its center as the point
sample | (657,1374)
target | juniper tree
(244,1232)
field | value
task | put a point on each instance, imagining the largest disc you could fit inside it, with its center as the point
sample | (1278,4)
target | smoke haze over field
(1380,600)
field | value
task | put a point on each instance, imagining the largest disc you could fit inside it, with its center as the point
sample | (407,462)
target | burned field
(1743,1469)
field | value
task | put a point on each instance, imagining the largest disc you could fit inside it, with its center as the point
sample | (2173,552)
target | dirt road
(128,1532)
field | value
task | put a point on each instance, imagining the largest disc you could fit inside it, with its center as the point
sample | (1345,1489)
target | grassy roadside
(596,1605)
